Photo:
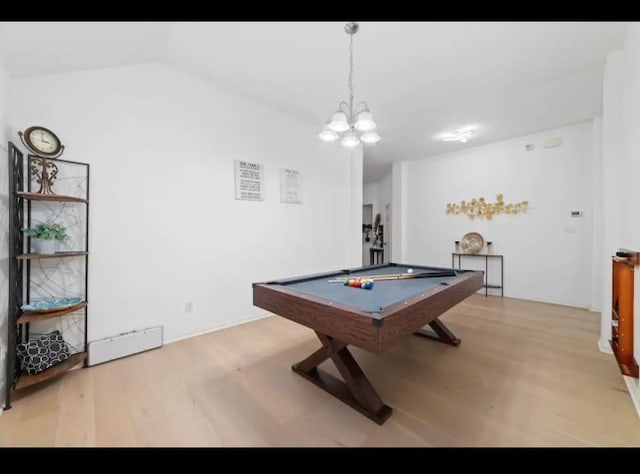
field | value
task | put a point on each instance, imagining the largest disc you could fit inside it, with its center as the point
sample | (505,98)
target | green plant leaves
(48,232)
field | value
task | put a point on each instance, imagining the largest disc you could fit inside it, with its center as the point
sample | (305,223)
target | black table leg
(486,276)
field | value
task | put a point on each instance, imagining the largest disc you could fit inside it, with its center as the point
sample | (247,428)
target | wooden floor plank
(526,374)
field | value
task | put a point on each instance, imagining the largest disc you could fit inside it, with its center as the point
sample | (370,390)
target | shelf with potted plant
(46,239)
(46,293)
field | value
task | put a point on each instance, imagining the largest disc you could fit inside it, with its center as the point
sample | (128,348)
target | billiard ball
(410,270)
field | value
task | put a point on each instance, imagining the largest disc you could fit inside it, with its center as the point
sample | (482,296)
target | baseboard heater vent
(124,344)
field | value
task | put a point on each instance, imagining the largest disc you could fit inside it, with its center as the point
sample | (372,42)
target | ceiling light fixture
(458,136)
(347,122)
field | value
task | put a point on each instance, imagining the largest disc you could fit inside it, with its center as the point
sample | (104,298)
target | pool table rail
(342,322)
(373,332)
(408,317)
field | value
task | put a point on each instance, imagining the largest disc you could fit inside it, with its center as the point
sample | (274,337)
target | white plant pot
(43,246)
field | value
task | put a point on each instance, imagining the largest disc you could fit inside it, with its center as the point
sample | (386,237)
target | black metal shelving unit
(21,206)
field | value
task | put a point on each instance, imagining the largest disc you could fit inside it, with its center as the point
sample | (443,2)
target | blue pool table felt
(383,294)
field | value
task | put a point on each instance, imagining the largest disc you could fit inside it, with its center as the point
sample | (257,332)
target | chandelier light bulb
(370,137)
(365,122)
(328,135)
(350,140)
(339,122)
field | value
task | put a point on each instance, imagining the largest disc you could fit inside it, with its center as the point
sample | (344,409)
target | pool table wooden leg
(442,333)
(356,390)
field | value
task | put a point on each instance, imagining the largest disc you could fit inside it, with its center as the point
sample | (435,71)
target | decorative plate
(47,306)
(472,242)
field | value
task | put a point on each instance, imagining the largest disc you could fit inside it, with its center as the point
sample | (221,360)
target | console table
(487,257)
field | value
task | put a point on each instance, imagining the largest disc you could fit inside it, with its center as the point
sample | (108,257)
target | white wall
(370,193)
(399,215)
(631,117)
(165,227)
(621,167)
(613,170)
(542,261)
(354,228)
(4,224)
(597,273)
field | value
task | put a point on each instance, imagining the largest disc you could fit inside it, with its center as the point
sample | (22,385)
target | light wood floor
(526,374)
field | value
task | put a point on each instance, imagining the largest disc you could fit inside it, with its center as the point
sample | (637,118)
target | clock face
(42,141)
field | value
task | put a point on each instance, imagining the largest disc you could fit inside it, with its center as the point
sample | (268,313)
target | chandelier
(352,125)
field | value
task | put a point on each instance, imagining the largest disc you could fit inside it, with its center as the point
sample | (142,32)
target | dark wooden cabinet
(622,314)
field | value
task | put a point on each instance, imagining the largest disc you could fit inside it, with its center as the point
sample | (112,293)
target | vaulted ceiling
(419,78)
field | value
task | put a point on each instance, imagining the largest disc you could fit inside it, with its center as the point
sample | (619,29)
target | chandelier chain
(350,76)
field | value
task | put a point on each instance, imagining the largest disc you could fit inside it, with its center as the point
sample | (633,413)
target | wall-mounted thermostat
(576,213)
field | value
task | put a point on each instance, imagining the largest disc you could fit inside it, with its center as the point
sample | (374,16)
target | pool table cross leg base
(441,333)
(356,390)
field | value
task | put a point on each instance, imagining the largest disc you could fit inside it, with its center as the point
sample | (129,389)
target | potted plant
(46,237)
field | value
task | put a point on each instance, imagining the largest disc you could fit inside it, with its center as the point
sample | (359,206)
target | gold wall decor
(481,208)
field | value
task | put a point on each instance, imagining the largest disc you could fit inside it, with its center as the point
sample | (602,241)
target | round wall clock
(42,142)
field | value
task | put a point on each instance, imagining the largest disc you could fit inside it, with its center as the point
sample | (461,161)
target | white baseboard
(218,328)
(540,300)
(634,391)
(604,346)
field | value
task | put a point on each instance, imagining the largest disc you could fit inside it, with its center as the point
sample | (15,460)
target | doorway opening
(367,232)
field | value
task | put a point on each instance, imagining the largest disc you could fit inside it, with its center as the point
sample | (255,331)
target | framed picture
(290,186)
(249,180)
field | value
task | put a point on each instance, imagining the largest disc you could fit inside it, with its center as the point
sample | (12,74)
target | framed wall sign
(249,180)
(290,186)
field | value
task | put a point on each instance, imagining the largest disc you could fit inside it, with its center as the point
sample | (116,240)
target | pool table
(373,320)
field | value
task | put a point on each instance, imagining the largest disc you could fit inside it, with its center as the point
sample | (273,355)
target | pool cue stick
(396,276)
(364,277)
(405,276)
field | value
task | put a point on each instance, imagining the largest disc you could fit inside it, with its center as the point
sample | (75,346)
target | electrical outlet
(188,307)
